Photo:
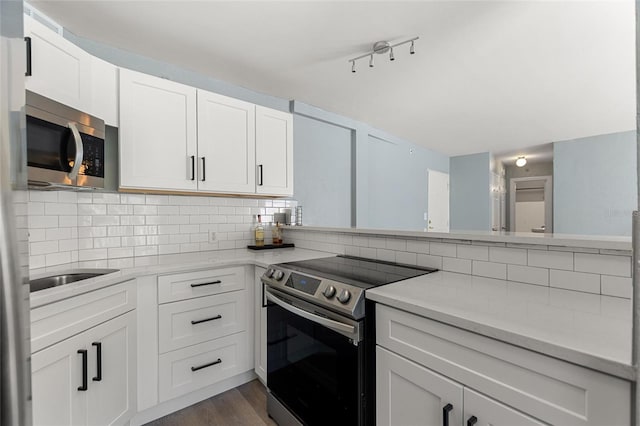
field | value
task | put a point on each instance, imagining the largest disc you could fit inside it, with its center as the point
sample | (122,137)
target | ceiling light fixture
(381,47)
(521,161)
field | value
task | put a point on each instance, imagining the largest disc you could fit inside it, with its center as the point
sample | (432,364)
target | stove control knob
(278,275)
(329,292)
(269,273)
(344,297)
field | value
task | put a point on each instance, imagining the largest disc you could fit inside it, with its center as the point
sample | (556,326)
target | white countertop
(603,242)
(586,329)
(166,264)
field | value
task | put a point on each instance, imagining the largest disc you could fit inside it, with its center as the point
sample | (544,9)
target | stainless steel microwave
(65,147)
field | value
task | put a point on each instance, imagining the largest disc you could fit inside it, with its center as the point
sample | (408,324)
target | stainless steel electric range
(321,338)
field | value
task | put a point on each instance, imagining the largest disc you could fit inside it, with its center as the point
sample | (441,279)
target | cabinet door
(274,152)
(490,412)
(409,394)
(157,133)
(260,327)
(104,91)
(60,70)
(56,374)
(112,357)
(226,144)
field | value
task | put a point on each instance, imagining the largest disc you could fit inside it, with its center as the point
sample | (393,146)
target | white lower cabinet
(260,328)
(87,379)
(409,394)
(424,365)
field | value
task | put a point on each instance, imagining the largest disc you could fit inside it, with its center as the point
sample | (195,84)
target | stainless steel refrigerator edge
(15,391)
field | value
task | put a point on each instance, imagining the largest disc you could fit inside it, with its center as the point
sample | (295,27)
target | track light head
(391,57)
(353,66)
(412,49)
(371,61)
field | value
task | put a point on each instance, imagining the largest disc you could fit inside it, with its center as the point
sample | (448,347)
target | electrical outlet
(425,215)
(212,237)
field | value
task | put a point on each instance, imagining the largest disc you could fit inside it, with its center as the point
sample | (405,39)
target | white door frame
(548,201)
(427,227)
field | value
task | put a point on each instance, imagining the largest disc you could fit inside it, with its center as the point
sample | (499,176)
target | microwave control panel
(93,162)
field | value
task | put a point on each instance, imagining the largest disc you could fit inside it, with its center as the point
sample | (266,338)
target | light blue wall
(470,201)
(322,177)
(594,187)
(397,183)
(389,174)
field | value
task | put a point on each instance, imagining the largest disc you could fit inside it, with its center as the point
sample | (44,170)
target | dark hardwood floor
(245,405)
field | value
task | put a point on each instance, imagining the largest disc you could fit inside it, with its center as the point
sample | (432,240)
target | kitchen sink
(66,278)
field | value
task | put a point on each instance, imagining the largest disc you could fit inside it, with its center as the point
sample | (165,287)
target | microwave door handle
(331,324)
(73,174)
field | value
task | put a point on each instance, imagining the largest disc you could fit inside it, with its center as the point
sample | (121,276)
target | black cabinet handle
(28,41)
(204,170)
(445,414)
(98,346)
(206,319)
(193,167)
(260,175)
(83,352)
(209,283)
(472,421)
(200,367)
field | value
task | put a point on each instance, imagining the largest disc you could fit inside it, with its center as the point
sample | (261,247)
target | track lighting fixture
(381,47)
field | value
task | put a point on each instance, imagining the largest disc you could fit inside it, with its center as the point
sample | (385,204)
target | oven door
(314,361)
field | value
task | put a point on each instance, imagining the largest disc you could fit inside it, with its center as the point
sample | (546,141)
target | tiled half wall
(67,227)
(606,272)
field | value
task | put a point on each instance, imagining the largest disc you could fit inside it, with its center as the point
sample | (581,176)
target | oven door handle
(329,323)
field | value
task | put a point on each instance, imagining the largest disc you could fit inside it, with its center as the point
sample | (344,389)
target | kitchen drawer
(214,316)
(176,375)
(57,321)
(199,283)
(551,390)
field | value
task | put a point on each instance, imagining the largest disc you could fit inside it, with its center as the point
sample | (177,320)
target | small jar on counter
(276,233)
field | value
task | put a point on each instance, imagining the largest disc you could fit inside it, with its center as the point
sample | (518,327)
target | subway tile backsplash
(67,227)
(570,268)
(113,229)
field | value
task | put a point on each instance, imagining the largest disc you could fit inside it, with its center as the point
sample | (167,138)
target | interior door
(410,394)
(438,201)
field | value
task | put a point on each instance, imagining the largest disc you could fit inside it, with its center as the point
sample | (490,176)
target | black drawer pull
(28,71)
(445,414)
(200,367)
(194,322)
(98,346)
(472,421)
(83,352)
(211,283)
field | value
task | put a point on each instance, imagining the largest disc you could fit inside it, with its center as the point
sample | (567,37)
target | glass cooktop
(358,271)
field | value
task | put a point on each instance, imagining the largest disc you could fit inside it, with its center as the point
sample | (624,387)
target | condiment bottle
(259,232)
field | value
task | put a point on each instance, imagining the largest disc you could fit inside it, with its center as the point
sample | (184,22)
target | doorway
(531,204)
(437,216)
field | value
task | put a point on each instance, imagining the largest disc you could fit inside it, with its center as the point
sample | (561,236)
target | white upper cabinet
(226,144)
(157,133)
(274,152)
(104,91)
(60,70)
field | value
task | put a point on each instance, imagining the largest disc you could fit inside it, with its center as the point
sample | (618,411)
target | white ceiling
(486,76)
